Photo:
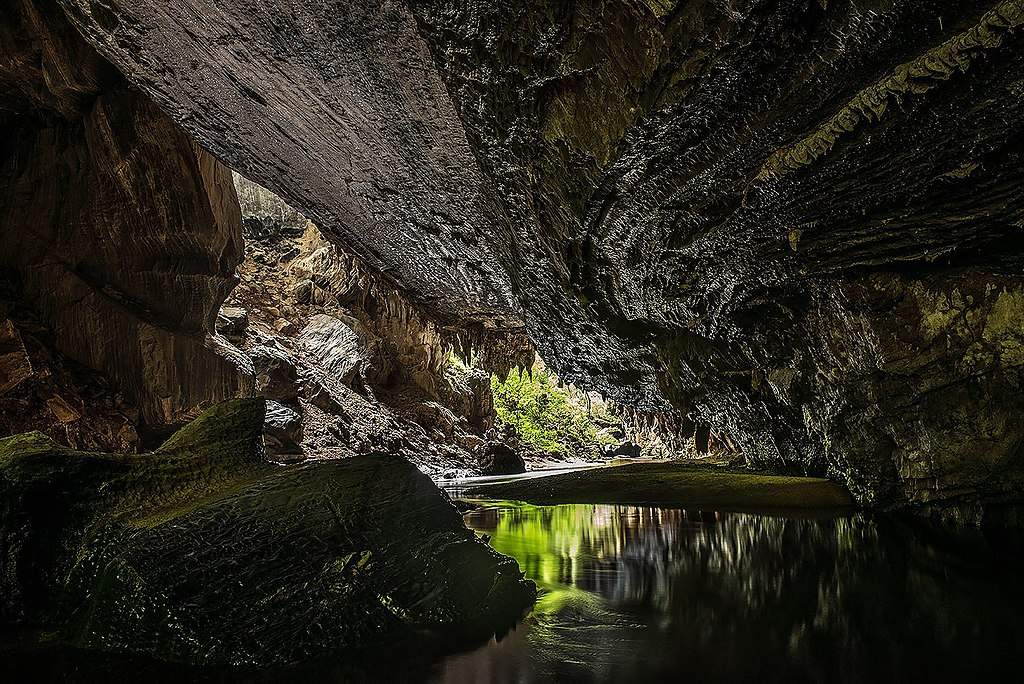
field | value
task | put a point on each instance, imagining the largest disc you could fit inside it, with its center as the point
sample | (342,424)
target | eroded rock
(203,551)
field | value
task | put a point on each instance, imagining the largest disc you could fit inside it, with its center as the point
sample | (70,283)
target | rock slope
(203,551)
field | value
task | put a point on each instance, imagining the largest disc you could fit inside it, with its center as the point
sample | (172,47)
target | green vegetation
(673,484)
(549,417)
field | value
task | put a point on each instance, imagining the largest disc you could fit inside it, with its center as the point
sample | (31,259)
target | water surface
(641,594)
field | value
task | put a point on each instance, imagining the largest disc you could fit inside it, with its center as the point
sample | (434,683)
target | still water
(640,594)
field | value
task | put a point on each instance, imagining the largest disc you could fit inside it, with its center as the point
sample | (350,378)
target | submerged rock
(204,551)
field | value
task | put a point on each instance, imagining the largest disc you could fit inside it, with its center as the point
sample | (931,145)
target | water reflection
(638,594)
(642,594)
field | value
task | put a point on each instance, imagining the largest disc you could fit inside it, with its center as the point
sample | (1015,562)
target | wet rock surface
(204,551)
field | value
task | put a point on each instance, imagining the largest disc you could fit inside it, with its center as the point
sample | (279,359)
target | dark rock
(277,376)
(283,430)
(204,551)
(232,320)
(624,450)
(72,405)
(498,458)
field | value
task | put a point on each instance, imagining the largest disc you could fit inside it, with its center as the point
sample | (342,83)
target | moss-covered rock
(203,551)
(674,485)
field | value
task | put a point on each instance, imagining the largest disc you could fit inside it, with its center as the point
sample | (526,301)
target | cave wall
(350,363)
(117,229)
(754,218)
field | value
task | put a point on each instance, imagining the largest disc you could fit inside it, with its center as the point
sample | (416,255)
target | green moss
(673,484)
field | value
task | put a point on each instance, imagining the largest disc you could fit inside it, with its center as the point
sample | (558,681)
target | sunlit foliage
(548,417)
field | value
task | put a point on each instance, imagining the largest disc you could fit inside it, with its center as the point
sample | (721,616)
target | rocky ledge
(203,551)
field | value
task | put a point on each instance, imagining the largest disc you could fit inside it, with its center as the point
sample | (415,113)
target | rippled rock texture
(762,219)
(204,551)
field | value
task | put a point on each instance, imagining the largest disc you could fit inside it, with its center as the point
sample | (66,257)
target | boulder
(285,327)
(343,349)
(498,458)
(625,450)
(232,320)
(277,377)
(204,551)
(282,430)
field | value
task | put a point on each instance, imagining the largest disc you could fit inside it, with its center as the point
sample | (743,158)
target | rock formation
(791,229)
(352,359)
(203,551)
(118,231)
(718,212)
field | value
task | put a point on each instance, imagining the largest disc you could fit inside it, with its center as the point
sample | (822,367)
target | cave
(597,341)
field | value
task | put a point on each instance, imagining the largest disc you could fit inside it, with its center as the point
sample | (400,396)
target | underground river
(635,593)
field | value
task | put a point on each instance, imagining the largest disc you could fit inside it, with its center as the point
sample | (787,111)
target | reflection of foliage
(640,593)
(549,417)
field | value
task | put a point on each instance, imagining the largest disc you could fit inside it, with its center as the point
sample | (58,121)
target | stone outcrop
(121,234)
(203,551)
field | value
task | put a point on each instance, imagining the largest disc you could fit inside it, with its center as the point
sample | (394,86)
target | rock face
(789,227)
(362,366)
(205,552)
(41,389)
(121,233)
